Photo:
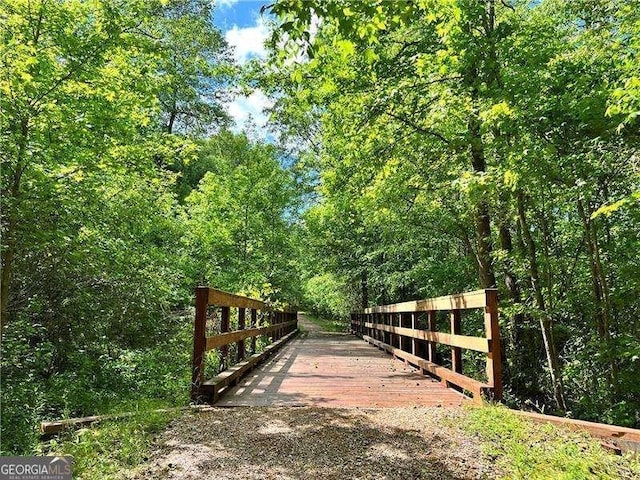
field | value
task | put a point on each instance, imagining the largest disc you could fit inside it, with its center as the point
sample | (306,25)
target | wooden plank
(226,299)
(478,344)
(335,370)
(57,426)
(473,386)
(223,339)
(414,346)
(627,439)
(459,301)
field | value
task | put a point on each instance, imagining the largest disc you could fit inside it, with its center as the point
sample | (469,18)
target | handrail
(281,324)
(393,328)
(221,298)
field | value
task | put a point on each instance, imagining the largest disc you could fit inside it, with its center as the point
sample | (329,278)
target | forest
(417,148)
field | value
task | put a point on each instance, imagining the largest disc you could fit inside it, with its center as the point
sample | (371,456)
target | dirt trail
(317,443)
(308,326)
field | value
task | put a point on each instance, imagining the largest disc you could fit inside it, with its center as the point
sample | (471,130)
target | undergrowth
(110,449)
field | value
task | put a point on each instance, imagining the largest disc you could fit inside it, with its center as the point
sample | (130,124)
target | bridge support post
(431,326)
(254,324)
(225,314)
(242,312)
(492,328)
(199,341)
(456,352)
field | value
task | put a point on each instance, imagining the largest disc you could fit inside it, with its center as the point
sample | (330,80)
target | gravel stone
(317,443)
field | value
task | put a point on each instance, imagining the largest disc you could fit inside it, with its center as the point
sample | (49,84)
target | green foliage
(239,220)
(113,448)
(439,145)
(324,294)
(329,324)
(458,145)
(526,450)
(100,110)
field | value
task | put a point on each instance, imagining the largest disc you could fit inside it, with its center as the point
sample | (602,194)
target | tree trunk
(482,217)
(546,323)
(600,293)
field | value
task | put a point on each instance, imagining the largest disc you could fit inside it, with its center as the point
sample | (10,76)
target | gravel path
(317,443)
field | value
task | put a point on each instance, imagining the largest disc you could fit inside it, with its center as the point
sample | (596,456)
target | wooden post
(397,321)
(241,325)
(414,346)
(405,342)
(456,352)
(431,325)
(199,341)
(254,321)
(387,321)
(224,327)
(374,319)
(492,328)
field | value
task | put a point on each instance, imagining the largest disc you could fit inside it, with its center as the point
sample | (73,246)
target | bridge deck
(336,370)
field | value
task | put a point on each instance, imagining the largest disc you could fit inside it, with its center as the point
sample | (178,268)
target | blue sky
(239,13)
(245,31)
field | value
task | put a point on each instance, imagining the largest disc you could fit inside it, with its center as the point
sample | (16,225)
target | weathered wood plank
(57,426)
(479,344)
(240,348)
(460,301)
(226,299)
(227,338)
(336,370)
(456,351)
(494,357)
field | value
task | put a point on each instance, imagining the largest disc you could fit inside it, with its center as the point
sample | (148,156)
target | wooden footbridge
(247,353)
(437,352)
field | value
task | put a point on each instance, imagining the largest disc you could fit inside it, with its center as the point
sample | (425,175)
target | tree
(453,119)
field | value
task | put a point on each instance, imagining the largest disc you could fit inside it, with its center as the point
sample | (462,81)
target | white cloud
(225,3)
(248,42)
(252,107)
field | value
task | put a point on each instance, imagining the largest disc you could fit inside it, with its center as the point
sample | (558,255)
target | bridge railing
(263,320)
(395,328)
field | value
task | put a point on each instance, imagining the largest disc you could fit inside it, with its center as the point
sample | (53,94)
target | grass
(525,450)
(110,449)
(329,325)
